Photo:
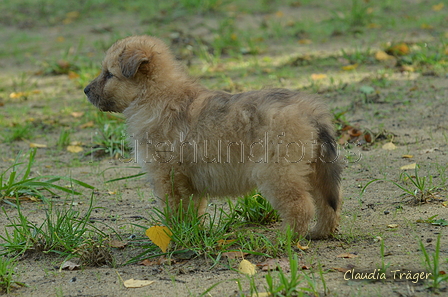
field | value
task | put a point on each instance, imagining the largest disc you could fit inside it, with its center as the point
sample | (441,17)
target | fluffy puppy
(194,142)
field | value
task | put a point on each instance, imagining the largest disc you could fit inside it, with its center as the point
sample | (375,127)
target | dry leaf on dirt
(350,67)
(389,146)
(382,56)
(340,269)
(117,244)
(135,283)
(160,236)
(303,248)
(318,76)
(69,265)
(347,255)
(248,268)
(89,124)
(392,226)
(234,255)
(305,41)
(274,264)
(74,148)
(263,294)
(409,166)
(407,156)
(37,145)
(77,114)
(437,7)
(222,242)
(157,261)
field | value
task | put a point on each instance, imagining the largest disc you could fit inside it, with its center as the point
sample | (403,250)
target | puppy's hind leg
(292,200)
(326,180)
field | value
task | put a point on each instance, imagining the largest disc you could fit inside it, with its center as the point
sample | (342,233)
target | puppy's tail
(328,167)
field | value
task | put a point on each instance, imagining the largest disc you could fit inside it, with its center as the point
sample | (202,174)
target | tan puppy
(193,141)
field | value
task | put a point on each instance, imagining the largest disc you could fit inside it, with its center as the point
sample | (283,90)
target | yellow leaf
(318,76)
(426,26)
(303,248)
(74,148)
(89,124)
(72,14)
(60,39)
(37,145)
(392,226)
(279,14)
(437,7)
(15,95)
(373,26)
(233,36)
(389,146)
(263,294)
(407,156)
(77,114)
(409,166)
(247,268)
(160,236)
(382,56)
(72,75)
(305,41)
(350,67)
(135,283)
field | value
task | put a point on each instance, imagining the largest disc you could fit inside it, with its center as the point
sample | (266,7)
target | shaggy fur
(194,141)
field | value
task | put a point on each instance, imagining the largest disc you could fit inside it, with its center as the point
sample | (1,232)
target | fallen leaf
(409,166)
(68,265)
(73,75)
(222,242)
(60,39)
(158,261)
(274,264)
(234,255)
(89,124)
(347,255)
(426,26)
(318,76)
(373,26)
(389,146)
(117,243)
(350,67)
(77,114)
(437,7)
(305,41)
(279,14)
(160,236)
(37,145)
(392,226)
(135,283)
(74,148)
(382,56)
(262,294)
(246,267)
(340,269)
(303,248)
(407,156)
(400,49)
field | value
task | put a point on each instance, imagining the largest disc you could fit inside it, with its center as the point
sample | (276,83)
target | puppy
(195,142)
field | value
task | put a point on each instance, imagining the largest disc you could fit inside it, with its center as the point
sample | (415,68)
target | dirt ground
(410,111)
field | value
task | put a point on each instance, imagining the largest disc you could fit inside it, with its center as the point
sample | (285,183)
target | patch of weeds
(63,231)
(358,56)
(201,5)
(357,16)
(254,208)
(111,139)
(18,132)
(420,188)
(433,221)
(94,252)
(64,138)
(384,266)
(199,233)
(432,264)
(7,266)
(16,183)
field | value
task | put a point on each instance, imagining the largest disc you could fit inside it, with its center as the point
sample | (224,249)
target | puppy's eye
(108,75)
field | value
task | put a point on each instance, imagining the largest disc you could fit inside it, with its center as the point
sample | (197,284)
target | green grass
(433,263)
(16,181)
(7,274)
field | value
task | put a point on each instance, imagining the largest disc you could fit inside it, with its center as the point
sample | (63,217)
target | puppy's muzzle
(87,90)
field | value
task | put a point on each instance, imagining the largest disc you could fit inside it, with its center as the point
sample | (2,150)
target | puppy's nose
(87,90)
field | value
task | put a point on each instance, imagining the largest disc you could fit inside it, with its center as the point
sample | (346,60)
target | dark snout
(87,90)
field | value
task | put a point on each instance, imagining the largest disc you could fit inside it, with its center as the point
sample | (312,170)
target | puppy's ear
(131,60)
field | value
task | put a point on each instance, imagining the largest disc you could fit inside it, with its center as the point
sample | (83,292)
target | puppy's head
(128,66)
